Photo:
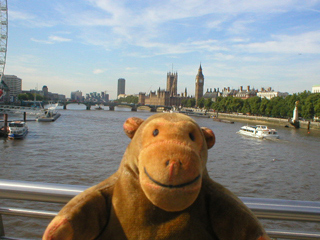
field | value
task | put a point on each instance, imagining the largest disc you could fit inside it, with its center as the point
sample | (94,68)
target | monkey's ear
(209,136)
(131,125)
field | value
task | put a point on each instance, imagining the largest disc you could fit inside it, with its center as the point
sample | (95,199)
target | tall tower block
(199,85)
(121,86)
(172,83)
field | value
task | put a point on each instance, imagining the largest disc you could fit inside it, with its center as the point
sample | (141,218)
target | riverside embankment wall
(278,121)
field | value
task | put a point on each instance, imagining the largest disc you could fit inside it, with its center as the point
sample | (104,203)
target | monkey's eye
(191,136)
(155,132)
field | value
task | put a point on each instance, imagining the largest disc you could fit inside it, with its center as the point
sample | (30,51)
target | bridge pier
(65,106)
(88,107)
(153,109)
(134,109)
(111,108)
(4,133)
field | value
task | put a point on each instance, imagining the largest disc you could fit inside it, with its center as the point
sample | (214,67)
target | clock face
(200,80)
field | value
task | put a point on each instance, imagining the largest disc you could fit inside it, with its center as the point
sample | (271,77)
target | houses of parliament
(170,96)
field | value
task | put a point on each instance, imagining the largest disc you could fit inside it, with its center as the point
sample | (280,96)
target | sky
(87,45)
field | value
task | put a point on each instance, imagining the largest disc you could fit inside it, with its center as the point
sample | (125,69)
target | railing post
(1,227)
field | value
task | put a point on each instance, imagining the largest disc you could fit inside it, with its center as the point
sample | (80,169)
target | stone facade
(213,95)
(168,97)
(14,84)
(172,83)
(316,89)
(245,94)
(199,85)
(269,93)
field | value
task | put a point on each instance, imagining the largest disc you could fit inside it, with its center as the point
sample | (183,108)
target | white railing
(302,211)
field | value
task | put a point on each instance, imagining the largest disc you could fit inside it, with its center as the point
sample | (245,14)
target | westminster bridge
(112,105)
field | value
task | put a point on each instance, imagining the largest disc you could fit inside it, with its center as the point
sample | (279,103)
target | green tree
(246,107)
(39,97)
(184,102)
(220,105)
(276,104)
(191,102)
(237,105)
(128,99)
(308,107)
(30,96)
(23,96)
(254,103)
(228,102)
(207,103)
(263,106)
(201,103)
(317,107)
(290,102)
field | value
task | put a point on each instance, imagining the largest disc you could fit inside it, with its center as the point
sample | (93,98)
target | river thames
(84,147)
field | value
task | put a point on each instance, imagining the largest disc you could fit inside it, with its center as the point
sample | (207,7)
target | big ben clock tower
(199,85)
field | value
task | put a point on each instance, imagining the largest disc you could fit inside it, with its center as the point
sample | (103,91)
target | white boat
(17,129)
(259,131)
(98,107)
(50,115)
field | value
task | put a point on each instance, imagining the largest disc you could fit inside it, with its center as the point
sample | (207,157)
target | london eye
(3,42)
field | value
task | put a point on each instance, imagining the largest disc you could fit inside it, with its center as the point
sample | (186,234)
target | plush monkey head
(170,157)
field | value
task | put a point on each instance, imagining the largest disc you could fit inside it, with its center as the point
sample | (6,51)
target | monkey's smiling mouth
(172,186)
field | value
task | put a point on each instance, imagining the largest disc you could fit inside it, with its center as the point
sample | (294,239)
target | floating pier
(4,129)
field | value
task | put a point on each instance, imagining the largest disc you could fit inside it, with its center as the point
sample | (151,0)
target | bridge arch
(75,106)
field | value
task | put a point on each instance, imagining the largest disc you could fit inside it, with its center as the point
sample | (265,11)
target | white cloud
(236,38)
(130,68)
(98,71)
(29,20)
(143,23)
(224,57)
(302,43)
(18,15)
(51,40)
(59,39)
(41,41)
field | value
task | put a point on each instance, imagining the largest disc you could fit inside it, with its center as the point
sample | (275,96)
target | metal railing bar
(285,215)
(9,238)
(60,193)
(312,205)
(27,212)
(284,209)
(292,235)
(48,192)
(50,214)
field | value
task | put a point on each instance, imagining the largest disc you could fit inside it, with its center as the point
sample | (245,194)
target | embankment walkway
(277,121)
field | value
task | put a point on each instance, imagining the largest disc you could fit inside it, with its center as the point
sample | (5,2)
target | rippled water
(84,147)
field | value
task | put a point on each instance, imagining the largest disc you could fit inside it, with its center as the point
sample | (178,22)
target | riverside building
(270,93)
(168,97)
(316,89)
(76,96)
(15,86)
(199,85)
(121,87)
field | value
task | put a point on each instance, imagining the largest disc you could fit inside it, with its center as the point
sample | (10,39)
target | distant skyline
(88,45)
